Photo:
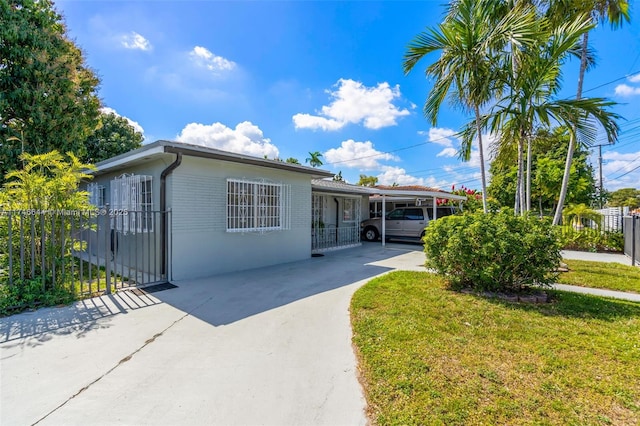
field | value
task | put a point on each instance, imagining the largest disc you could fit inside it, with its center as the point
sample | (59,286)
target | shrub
(493,252)
(591,240)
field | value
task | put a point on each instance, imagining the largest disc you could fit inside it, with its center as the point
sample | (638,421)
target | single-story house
(180,211)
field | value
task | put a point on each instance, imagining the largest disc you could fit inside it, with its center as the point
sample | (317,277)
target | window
(96,194)
(396,214)
(350,210)
(413,214)
(257,206)
(132,203)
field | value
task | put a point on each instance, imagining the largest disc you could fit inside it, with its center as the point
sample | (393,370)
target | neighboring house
(228,211)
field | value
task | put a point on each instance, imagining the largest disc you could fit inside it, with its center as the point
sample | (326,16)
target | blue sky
(285,78)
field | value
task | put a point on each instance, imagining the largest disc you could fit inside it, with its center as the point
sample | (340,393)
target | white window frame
(257,206)
(132,203)
(350,210)
(96,194)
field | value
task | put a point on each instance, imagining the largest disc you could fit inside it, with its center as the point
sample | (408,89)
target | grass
(429,355)
(612,276)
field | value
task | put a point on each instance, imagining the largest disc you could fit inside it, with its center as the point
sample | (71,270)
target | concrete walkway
(269,346)
(597,257)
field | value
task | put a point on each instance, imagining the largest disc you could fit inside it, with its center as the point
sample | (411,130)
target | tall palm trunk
(481,154)
(572,140)
(528,177)
(520,203)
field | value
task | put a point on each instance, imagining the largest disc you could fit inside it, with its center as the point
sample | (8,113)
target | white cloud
(204,58)
(625,90)
(442,136)
(354,103)
(447,152)
(634,78)
(134,124)
(246,138)
(617,164)
(398,175)
(133,40)
(357,154)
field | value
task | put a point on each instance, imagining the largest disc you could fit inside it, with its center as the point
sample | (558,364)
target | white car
(403,222)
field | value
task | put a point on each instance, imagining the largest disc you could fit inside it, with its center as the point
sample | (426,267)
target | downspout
(337,217)
(164,228)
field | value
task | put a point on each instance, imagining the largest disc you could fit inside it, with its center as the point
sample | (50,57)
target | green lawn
(429,355)
(613,276)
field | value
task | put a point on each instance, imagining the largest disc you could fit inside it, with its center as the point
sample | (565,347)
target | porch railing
(331,237)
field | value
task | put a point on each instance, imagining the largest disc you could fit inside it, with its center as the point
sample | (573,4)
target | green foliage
(494,251)
(367,180)
(626,197)
(36,228)
(292,160)
(592,240)
(575,214)
(547,168)
(314,159)
(114,136)
(47,94)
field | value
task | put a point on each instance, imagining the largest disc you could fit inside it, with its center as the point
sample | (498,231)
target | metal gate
(86,252)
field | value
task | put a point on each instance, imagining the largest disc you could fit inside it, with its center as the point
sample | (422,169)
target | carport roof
(378,191)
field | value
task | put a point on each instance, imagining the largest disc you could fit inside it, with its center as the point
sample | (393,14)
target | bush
(497,252)
(591,240)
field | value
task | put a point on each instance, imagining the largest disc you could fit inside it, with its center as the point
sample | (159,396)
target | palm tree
(314,159)
(616,12)
(530,101)
(470,41)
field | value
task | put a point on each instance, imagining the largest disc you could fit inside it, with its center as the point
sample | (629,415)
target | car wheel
(371,234)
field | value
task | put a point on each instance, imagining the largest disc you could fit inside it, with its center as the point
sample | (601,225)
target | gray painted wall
(201,246)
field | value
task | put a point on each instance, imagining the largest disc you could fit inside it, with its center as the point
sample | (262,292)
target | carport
(419,194)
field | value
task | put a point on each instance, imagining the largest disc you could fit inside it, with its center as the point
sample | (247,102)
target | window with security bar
(257,206)
(351,210)
(132,203)
(96,194)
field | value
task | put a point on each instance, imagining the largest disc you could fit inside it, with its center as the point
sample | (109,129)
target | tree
(114,136)
(616,11)
(47,182)
(314,159)
(530,100)
(47,94)
(292,160)
(470,42)
(547,164)
(626,197)
(367,180)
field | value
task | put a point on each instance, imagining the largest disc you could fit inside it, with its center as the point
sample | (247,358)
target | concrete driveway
(269,346)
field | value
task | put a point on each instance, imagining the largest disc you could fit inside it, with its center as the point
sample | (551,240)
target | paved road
(269,347)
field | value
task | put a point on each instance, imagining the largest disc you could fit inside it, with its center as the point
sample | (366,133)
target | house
(184,211)
(176,211)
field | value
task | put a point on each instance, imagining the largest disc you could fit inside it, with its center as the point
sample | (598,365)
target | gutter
(164,228)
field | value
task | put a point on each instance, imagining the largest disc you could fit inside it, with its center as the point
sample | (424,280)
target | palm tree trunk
(528,174)
(519,204)
(481,154)
(572,141)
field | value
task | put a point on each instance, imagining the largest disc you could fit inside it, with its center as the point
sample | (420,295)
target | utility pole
(600,172)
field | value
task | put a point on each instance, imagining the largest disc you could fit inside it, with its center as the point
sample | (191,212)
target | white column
(383,219)
(435,209)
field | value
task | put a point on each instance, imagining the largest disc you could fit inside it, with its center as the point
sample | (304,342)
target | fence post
(634,229)
(107,248)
